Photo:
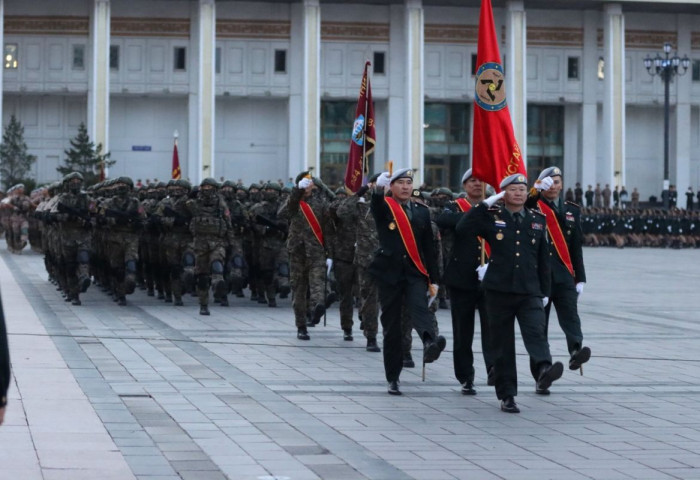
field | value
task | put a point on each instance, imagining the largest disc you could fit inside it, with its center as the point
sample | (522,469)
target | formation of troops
(397,257)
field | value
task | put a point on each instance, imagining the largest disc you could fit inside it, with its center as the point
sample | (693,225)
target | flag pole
(365,167)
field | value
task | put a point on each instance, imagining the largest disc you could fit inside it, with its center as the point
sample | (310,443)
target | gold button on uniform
(517,254)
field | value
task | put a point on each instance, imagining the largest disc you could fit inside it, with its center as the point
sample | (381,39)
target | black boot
(204,310)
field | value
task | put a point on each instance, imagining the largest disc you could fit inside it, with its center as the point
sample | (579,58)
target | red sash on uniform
(557,236)
(313,221)
(465,206)
(406,232)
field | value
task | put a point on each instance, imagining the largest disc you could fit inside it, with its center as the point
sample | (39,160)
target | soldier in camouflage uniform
(173,219)
(148,243)
(355,210)
(212,232)
(308,251)
(438,201)
(20,209)
(124,218)
(236,267)
(270,235)
(345,231)
(73,212)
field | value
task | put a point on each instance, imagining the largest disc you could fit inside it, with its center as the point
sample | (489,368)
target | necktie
(407,207)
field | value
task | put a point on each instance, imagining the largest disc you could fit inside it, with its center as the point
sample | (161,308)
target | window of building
(78,57)
(280,61)
(601,68)
(378,66)
(11,56)
(473,64)
(545,138)
(114,57)
(696,70)
(180,58)
(337,118)
(217,60)
(446,140)
(572,68)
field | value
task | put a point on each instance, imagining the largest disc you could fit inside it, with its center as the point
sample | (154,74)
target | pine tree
(15,162)
(86,158)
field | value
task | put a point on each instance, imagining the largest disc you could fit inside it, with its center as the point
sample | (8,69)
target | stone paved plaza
(152,391)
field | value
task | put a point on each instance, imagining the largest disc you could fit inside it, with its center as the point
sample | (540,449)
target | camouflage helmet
(229,183)
(161,185)
(443,191)
(254,185)
(125,180)
(180,183)
(71,176)
(273,185)
(209,181)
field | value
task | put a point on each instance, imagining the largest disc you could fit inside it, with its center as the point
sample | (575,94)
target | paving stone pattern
(153,391)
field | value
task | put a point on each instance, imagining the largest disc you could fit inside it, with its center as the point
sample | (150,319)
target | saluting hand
(544,184)
(384,180)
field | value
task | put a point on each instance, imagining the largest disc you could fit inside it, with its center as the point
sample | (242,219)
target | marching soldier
(173,219)
(568,272)
(516,284)
(306,211)
(73,211)
(211,229)
(124,217)
(270,234)
(236,267)
(466,294)
(344,239)
(404,267)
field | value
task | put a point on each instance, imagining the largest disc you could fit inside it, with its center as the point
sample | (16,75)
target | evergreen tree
(86,158)
(15,162)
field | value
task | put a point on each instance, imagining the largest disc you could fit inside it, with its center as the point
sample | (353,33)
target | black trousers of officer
(464,304)
(565,300)
(410,292)
(503,308)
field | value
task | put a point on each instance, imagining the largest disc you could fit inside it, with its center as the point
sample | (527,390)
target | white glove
(362,200)
(432,293)
(329,265)
(494,198)
(545,301)
(304,183)
(481,271)
(544,184)
(384,180)
(579,288)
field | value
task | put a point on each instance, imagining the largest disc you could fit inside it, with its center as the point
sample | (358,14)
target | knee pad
(238,261)
(283,269)
(217,267)
(188,259)
(83,256)
(131,266)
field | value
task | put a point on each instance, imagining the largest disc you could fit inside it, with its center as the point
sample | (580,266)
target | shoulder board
(494,209)
(568,202)
(421,204)
(536,212)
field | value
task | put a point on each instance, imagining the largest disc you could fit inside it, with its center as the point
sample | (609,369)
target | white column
(516,73)
(202,111)
(679,169)
(586,168)
(614,104)
(304,98)
(98,86)
(397,147)
(414,104)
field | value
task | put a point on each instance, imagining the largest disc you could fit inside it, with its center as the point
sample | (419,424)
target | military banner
(176,173)
(363,138)
(496,153)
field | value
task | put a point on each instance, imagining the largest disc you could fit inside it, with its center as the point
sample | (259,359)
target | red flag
(176,163)
(496,153)
(363,138)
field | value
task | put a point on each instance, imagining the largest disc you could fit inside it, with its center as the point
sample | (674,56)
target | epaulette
(421,204)
(494,209)
(569,202)
(538,212)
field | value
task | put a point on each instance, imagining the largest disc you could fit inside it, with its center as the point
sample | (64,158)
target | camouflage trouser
(308,275)
(122,251)
(75,257)
(273,264)
(210,254)
(345,275)
(369,302)
(19,232)
(179,260)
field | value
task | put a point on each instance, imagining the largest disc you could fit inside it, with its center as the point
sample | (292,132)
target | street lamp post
(666,67)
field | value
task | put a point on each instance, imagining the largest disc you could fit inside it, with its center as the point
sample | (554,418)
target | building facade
(262,90)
